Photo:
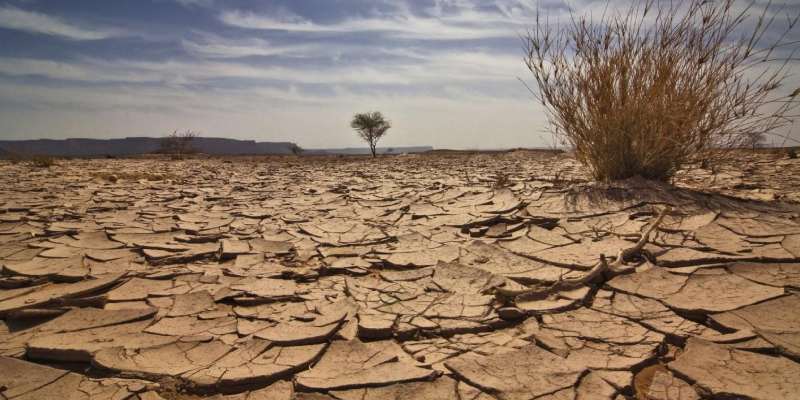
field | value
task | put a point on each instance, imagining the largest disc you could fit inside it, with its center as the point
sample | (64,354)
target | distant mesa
(145,145)
(138,145)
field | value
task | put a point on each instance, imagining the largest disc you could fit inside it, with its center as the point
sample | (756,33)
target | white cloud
(424,69)
(28,21)
(445,20)
(212,46)
(403,25)
(195,3)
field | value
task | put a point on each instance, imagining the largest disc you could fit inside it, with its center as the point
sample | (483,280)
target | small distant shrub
(42,161)
(792,152)
(296,150)
(371,127)
(501,180)
(663,84)
(114,177)
(178,144)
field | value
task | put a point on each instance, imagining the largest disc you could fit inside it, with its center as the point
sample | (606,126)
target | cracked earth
(442,276)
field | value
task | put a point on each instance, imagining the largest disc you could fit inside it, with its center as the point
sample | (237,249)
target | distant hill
(365,150)
(137,145)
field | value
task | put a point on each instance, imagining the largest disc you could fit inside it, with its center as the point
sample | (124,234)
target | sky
(447,73)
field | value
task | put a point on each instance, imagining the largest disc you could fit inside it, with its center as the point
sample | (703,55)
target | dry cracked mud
(463,276)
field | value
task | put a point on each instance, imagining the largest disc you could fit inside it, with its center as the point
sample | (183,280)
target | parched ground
(464,276)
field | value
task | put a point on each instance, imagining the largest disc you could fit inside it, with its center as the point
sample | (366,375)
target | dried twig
(602,268)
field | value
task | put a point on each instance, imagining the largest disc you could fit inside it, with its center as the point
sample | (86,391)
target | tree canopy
(371,127)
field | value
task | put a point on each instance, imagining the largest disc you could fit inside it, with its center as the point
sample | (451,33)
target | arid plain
(447,275)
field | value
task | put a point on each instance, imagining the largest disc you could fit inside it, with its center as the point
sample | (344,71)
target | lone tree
(755,140)
(647,90)
(178,143)
(371,127)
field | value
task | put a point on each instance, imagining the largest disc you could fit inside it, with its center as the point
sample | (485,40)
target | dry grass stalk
(664,84)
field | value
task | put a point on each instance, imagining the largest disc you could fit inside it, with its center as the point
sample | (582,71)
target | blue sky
(446,72)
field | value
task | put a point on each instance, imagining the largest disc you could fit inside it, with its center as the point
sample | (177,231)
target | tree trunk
(372,149)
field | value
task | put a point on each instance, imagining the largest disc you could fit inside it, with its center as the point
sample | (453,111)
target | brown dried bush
(178,144)
(34,161)
(646,91)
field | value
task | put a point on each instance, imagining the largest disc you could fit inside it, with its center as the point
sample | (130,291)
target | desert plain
(446,275)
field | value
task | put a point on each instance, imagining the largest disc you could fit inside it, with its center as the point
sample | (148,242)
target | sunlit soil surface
(439,276)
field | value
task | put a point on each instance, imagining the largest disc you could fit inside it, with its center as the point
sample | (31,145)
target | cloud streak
(195,3)
(17,19)
(213,46)
(466,24)
(419,68)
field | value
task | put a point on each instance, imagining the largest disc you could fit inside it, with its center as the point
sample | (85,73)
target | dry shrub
(663,84)
(130,176)
(178,144)
(41,161)
(15,159)
(501,180)
(296,149)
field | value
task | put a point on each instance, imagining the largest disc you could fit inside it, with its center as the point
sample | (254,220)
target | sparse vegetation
(501,180)
(371,127)
(37,161)
(114,177)
(755,140)
(42,161)
(296,150)
(664,84)
(15,158)
(792,152)
(178,144)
